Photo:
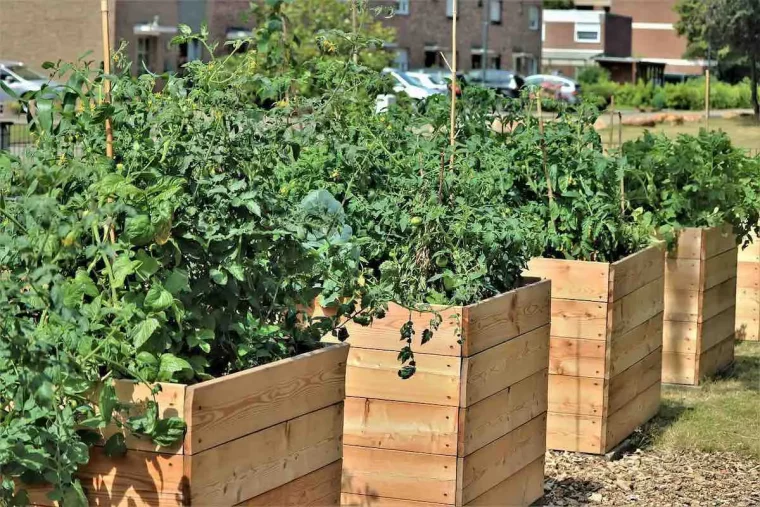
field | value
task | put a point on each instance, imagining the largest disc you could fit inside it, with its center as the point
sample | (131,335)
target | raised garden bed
(748,292)
(469,428)
(269,436)
(606,348)
(700,305)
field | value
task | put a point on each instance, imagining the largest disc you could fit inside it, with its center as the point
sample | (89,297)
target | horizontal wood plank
(523,488)
(636,271)
(633,381)
(579,319)
(352,500)
(679,368)
(684,274)
(374,374)
(629,348)
(682,305)
(716,359)
(237,405)
(720,268)
(413,427)
(499,367)
(681,337)
(718,240)
(504,317)
(499,460)
(497,415)
(398,474)
(622,423)
(689,244)
(320,488)
(717,329)
(576,395)
(750,253)
(748,314)
(717,299)
(636,308)
(574,432)
(587,281)
(748,275)
(259,462)
(574,357)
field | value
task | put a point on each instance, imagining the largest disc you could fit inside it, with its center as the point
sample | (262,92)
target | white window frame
(534,18)
(450,8)
(588,27)
(401,60)
(402,7)
(495,8)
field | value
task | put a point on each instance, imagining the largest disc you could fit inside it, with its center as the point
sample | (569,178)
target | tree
(731,28)
(559,4)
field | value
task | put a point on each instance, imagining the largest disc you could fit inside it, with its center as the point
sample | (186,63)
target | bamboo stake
(107,71)
(354,28)
(612,121)
(622,174)
(543,148)
(452,134)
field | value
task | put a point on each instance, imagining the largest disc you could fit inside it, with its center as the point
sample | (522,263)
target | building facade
(654,37)
(35,31)
(424,34)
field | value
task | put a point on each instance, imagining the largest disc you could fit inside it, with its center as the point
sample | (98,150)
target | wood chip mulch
(650,477)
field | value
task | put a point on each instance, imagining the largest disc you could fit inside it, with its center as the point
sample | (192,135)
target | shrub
(593,74)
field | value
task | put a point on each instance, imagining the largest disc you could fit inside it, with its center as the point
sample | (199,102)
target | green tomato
(415,221)
(441,261)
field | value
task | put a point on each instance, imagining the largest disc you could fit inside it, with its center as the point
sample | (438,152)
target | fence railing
(15,138)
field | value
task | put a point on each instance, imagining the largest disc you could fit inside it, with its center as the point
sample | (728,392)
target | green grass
(744,131)
(722,415)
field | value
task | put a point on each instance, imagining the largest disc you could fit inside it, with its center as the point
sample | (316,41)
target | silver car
(20,79)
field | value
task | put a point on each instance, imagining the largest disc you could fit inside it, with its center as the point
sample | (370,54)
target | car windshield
(437,79)
(411,79)
(25,73)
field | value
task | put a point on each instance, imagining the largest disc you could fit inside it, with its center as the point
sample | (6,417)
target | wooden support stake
(355,29)
(612,121)
(107,71)
(707,96)
(452,134)
(543,148)
(622,176)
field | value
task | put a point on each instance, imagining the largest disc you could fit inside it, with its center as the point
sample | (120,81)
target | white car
(431,81)
(20,79)
(563,88)
(409,85)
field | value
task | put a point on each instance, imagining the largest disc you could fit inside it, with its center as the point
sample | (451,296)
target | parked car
(403,82)
(20,79)
(560,87)
(438,78)
(506,82)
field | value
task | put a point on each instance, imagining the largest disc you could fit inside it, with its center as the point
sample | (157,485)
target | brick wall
(223,15)
(562,36)
(618,35)
(130,13)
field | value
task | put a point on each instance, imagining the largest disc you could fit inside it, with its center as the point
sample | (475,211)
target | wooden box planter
(606,348)
(269,436)
(748,292)
(469,428)
(700,305)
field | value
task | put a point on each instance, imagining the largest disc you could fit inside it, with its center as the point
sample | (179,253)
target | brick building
(654,37)
(424,32)
(35,31)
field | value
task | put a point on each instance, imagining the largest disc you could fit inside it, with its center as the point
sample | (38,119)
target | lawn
(722,415)
(744,131)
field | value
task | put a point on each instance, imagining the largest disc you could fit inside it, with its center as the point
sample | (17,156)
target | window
(145,48)
(534,16)
(588,32)
(476,61)
(401,61)
(450,8)
(495,10)
(402,7)
(433,58)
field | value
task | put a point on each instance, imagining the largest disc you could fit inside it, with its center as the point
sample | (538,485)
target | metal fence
(15,137)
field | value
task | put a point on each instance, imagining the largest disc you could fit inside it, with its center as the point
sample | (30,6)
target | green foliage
(593,74)
(693,181)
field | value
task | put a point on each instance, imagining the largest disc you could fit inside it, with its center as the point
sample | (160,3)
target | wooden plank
(681,337)
(636,271)
(254,464)
(683,274)
(587,281)
(497,461)
(320,488)
(622,423)
(576,395)
(750,253)
(384,334)
(717,299)
(413,427)
(636,308)
(504,317)
(689,244)
(393,474)
(374,374)
(633,381)
(579,319)
(523,488)
(716,359)
(748,275)
(574,357)
(497,415)
(682,305)
(629,348)
(352,500)
(501,366)
(574,432)
(748,314)
(679,368)
(720,268)
(718,240)
(717,329)
(236,405)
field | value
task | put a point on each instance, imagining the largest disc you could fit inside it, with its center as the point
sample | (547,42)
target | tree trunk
(753,77)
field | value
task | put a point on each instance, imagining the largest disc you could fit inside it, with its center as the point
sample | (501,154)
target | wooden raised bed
(469,428)
(269,436)
(748,292)
(700,305)
(606,348)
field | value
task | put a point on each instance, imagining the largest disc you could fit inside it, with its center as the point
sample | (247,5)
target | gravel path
(652,478)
